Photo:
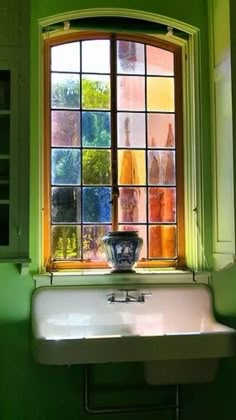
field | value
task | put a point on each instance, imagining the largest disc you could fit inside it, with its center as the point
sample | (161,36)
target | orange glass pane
(161,130)
(96,56)
(161,167)
(131,167)
(159,62)
(160,94)
(130,57)
(142,232)
(130,93)
(162,241)
(162,205)
(132,205)
(131,129)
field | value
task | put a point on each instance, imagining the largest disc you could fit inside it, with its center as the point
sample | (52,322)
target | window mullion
(114,162)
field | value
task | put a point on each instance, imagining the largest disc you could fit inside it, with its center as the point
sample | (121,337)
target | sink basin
(77,324)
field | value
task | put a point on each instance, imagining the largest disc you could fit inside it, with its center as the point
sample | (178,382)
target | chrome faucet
(128,298)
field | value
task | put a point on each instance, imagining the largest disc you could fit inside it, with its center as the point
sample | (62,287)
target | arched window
(113,148)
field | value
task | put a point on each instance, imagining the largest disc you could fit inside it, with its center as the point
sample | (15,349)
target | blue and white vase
(122,250)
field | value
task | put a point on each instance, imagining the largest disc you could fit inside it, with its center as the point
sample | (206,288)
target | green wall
(32,392)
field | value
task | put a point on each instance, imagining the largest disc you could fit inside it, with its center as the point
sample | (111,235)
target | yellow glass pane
(162,241)
(160,94)
(131,167)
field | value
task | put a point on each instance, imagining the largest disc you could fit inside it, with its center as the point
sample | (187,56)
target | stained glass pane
(159,62)
(160,94)
(131,167)
(93,246)
(96,129)
(65,126)
(96,167)
(161,167)
(162,241)
(162,205)
(130,57)
(96,92)
(65,90)
(131,129)
(66,57)
(142,232)
(65,167)
(130,93)
(132,205)
(161,130)
(66,242)
(66,205)
(96,56)
(97,205)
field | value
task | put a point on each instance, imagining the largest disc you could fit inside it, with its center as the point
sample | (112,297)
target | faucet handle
(111,297)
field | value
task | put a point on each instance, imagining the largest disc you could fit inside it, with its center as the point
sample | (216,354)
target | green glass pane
(66,205)
(65,128)
(93,246)
(96,92)
(4,134)
(66,242)
(92,51)
(96,129)
(96,167)
(65,166)
(65,90)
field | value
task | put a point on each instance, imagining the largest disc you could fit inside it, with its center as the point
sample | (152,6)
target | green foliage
(95,94)
(96,167)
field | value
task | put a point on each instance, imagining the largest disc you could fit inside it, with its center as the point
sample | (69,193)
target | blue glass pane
(65,167)
(97,205)
(96,129)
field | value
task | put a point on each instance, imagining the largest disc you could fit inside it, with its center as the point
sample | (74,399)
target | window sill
(96,277)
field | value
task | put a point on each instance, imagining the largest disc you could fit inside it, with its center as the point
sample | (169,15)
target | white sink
(73,325)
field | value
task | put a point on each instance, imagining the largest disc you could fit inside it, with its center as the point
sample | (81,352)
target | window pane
(131,167)
(96,92)
(162,205)
(132,205)
(65,90)
(4,134)
(130,57)
(96,205)
(131,130)
(93,246)
(66,205)
(142,232)
(161,167)
(66,57)
(96,167)
(131,93)
(161,130)
(65,166)
(96,56)
(66,242)
(162,241)
(159,61)
(96,129)
(160,94)
(65,128)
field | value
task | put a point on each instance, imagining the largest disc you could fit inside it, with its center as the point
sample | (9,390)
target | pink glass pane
(66,57)
(160,94)
(142,232)
(96,56)
(96,92)
(159,61)
(66,242)
(65,126)
(130,57)
(130,93)
(131,167)
(132,205)
(162,241)
(161,130)
(161,167)
(162,205)
(131,129)
(93,247)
